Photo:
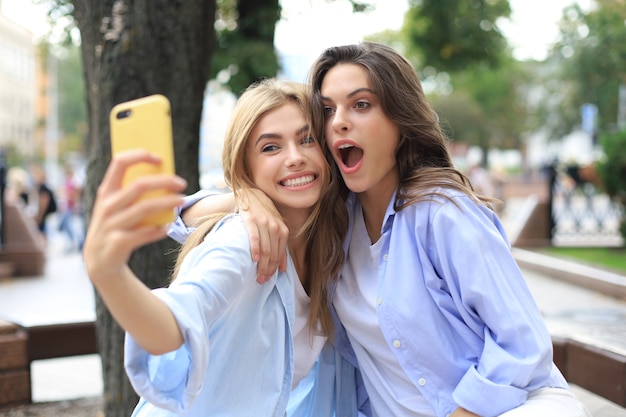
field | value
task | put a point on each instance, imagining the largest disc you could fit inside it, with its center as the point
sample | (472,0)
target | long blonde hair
(326,227)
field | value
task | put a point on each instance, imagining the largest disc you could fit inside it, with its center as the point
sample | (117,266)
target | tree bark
(131,49)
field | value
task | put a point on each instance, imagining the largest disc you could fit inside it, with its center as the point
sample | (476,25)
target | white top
(306,348)
(390,390)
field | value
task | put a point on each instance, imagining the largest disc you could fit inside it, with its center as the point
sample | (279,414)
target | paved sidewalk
(64,294)
(576,312)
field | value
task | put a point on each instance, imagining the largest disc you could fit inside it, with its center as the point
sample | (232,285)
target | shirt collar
(353,203)
(390,213)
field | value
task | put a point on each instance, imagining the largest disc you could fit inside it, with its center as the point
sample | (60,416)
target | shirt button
(396,343)
(421,382)
(379,300)
(385,257)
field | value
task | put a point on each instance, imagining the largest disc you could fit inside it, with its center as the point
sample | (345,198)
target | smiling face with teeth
(362,138)
(285,161)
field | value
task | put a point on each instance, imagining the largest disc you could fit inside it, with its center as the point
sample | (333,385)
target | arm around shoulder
(196,206)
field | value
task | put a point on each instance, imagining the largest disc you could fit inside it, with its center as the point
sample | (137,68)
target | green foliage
(391,38)
(612,167)
(592,56)
(71,95)
(245,42)
(451,34)
(612,170)
(462,118)
(498,92)
(60,17)
(485,108)
(553,112)
(242,60)
(465,61)
(72,102)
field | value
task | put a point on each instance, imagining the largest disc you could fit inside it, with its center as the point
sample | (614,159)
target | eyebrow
(353,93)
(303,129)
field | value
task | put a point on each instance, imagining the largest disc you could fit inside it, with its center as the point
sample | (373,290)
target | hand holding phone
(145,123)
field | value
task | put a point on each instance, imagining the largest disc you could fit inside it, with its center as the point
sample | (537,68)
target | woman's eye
(269,148)
(362,105)
(308,140)
(328,111)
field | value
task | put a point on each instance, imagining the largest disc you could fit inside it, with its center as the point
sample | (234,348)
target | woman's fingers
(161,192)
(268,233)
(268,243)
(116,227)
(112,198)
(114,174)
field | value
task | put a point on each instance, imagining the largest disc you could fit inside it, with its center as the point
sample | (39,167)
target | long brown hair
(422,158)
(326,227)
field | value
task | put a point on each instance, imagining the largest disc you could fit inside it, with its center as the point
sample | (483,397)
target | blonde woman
(215,342)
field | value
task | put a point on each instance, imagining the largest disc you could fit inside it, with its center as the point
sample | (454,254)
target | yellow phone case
(145,123)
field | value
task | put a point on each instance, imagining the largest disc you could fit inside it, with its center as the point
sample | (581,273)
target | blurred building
(18,88)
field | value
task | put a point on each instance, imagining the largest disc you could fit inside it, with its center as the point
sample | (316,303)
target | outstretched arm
(115,231)
(216,204)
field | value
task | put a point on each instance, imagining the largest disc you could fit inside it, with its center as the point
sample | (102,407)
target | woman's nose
(295,157)
(340,121)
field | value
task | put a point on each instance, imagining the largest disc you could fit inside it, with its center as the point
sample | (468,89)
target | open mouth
(350,155)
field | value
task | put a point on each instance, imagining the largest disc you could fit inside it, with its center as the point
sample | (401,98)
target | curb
(600,280)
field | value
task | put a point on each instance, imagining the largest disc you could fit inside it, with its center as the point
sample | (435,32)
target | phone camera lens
(123,114)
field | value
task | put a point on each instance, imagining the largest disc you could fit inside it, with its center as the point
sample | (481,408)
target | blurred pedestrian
(46,200)
(69,222)
(18,185)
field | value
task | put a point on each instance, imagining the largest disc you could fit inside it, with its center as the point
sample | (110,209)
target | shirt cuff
(486,398)
(178,230)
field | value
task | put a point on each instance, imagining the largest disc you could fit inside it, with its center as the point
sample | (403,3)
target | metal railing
(580,213)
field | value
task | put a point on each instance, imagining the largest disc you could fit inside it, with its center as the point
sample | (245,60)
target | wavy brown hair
(326,227)
(422,159)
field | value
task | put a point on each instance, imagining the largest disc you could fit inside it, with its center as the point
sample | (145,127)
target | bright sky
(312,25)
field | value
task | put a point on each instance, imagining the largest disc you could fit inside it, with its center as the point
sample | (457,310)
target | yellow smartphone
(145,123)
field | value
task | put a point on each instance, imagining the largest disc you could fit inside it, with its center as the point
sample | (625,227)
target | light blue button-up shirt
(242,362)
(455,309)
(236,359)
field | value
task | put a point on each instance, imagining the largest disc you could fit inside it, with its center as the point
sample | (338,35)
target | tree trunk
(133,49)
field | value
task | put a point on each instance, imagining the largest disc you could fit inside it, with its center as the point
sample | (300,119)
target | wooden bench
(61,340)
(595,369)
(20,346)
(15,386)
